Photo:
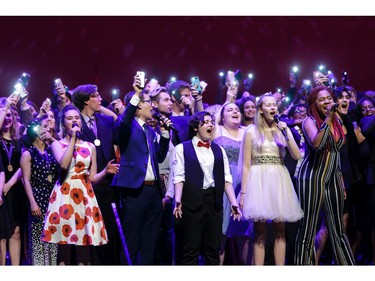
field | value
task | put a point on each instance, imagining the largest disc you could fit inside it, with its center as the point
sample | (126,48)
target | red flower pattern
(80,166)
(66,230)
(52,197)
(54,218)
(65,188)
(96,214)
(83,151)
(80,222)
(86,240)
(66,211)
(77,195)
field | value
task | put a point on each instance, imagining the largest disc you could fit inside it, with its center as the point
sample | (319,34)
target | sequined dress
(232,148)
(73,215)
(270,193)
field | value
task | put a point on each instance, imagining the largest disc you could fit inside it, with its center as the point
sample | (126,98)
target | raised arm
(317,137)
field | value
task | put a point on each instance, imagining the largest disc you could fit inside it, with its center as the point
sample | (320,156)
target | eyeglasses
(148,101)
(300,111)
(95,95)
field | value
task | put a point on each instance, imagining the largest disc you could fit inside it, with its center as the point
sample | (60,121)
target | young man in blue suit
(138,179)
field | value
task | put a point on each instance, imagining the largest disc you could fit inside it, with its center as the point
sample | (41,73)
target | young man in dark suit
(201,175)
(98,129)
(138,179)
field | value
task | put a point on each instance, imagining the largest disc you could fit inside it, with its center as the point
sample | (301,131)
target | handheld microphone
(78,133)
(334,107)
(277,120)
(159,118)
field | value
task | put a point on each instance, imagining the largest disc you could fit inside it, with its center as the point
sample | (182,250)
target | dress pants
(141,212)
(200,232)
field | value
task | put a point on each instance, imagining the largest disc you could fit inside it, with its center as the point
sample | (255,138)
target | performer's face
(343,102)
(145,108)
(231,115)
(206,129)
(165,104)
(268,108)
(71,117)
(323,100)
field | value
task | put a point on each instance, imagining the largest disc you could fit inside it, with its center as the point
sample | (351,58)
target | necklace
(9,153)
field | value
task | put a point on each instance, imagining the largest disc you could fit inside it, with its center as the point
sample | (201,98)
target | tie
(91,125)
(150,147)
(205,144)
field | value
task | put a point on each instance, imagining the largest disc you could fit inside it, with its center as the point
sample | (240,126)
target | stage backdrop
(108,51)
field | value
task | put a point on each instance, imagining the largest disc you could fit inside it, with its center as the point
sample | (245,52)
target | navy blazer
(132,143)
(105,152)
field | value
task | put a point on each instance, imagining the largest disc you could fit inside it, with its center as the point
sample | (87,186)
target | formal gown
(270,193)
(73,215)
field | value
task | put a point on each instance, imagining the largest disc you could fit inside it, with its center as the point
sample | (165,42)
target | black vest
(192,191)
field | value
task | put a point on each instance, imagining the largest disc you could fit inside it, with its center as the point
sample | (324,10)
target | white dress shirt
(206,161)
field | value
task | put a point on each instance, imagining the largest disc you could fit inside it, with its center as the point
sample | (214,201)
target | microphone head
(157,116)
(276,118)
(78,133)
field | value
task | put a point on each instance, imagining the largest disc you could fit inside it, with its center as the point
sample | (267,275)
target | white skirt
(270,195)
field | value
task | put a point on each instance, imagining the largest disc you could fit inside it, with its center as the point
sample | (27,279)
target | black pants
(200,232)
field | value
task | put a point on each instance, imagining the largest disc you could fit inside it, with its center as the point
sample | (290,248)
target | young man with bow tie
(201,175)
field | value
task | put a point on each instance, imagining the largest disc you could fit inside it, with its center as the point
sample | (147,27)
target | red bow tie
(205,144)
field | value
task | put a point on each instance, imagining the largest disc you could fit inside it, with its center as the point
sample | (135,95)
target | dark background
(108,50)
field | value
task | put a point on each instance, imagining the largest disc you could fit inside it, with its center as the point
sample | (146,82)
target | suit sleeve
(123,124)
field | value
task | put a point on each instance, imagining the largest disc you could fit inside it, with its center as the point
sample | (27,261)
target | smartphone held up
(142,77)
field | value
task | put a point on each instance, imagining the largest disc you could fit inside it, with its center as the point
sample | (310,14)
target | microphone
(277,120)
(78,133)
(158,117)
(334,107)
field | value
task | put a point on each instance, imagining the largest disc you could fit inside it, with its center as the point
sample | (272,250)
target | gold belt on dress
(267,159)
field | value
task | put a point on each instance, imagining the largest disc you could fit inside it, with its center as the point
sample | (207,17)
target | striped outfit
(320,184)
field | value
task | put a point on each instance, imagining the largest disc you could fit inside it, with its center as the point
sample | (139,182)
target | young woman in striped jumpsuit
(320,182)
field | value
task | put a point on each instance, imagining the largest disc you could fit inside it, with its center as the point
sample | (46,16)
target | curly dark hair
(196,120)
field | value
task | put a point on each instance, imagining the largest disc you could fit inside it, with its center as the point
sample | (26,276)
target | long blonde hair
(261,128)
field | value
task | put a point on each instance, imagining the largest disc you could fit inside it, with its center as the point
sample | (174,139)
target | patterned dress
(73,215)
(44,174)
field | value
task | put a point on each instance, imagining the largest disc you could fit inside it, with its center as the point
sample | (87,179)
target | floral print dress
(73,215)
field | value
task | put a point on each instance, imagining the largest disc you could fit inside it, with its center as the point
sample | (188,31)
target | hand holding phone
(142,77)
(115,94)
(196,83)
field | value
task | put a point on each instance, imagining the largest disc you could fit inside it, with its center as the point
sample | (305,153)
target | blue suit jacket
(105,152)
(131,139)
